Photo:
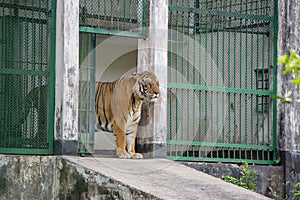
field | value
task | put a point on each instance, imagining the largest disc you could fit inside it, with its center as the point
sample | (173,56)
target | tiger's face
(151,89)
(149,86)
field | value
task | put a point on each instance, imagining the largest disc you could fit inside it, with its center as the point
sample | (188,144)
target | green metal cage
(221,79)
(114,17)
(27,35)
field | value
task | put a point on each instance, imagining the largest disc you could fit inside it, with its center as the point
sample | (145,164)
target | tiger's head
(147,87)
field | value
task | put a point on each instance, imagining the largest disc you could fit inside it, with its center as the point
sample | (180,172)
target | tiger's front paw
(124,155)
(137,156)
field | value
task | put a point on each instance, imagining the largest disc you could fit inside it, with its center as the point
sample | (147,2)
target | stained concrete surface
(164,179)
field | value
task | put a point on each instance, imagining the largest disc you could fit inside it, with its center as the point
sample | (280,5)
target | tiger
(118,106)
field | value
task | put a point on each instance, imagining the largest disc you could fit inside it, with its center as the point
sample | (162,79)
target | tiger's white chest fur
(133,118)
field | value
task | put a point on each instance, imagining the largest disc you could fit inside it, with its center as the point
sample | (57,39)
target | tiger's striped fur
(118,108)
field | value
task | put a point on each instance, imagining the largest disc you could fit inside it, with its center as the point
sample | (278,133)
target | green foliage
(297,190)
(277,161)
(274,194)
(247,180)
(292,66)
(230,179)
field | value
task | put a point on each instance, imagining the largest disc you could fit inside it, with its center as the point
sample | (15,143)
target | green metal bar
(176,90)
(52,78)
(219,89)
(23,7)
(14,71)
(240,86)
(229,82)
(200,18)
(80,107)
(92,86)
(24,151)
(144,19)
(221,14)
(206,78)
(85,29)
(194,79)
(224,145)
(196,159)
(257,88)
(212,83)
(188,80)
(275,76)
(124,14)
(234,85)
(170,53)
(268,85)
(182,74)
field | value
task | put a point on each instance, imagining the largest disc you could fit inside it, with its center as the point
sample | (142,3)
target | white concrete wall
(153,56)
(115,57)
(67,76)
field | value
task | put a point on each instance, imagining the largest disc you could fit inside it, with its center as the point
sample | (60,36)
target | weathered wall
(268,176)
(153,56)
(288,38)
(67,77)
(289,115)
(51,177)
(26,177)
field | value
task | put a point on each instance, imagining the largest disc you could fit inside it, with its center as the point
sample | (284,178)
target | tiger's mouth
(154,96)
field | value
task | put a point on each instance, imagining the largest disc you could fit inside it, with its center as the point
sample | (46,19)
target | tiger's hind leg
(121,142)
(130,143)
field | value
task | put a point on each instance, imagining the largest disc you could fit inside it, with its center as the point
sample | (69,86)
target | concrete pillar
(67,77)
(289,115)
(153,56)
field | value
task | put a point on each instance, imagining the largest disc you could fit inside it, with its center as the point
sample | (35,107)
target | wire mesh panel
(87,93)
(114,17)
(26,76)
(87,85)
(222,75)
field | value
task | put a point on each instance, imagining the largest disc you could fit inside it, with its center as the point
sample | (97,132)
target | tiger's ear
(138,84)
(142,82)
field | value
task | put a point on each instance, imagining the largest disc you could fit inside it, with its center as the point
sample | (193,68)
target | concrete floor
(164,179)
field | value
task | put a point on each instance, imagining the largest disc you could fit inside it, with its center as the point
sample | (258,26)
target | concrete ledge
(70,177)
(164,179)
(54,177)
(77,182)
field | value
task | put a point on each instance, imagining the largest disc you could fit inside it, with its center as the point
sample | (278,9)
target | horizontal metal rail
(223,145)
(220,89)
(85,29)
(221,13)
(225,160)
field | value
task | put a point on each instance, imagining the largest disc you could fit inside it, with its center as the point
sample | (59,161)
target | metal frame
(195,95)
(92,23)
(86,106)
(49,74)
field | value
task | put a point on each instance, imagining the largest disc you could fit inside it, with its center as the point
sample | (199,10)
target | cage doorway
(102,58)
